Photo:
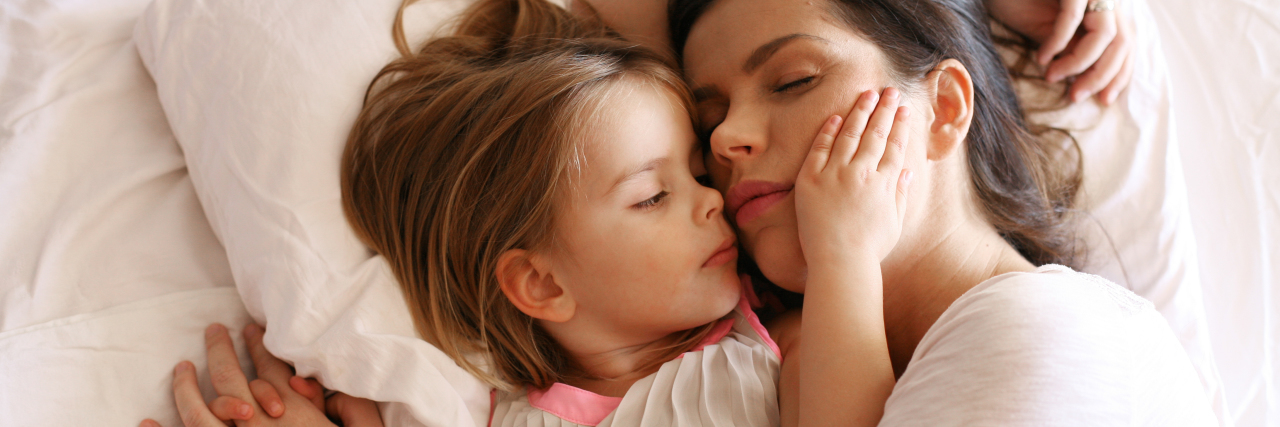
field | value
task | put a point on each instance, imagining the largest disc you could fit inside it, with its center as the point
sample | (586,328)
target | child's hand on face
(851,191)
(260,402)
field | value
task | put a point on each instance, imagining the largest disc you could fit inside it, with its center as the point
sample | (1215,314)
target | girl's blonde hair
(460,154)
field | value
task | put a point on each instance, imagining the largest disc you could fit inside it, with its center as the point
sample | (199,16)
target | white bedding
(1224,58)
(109,269)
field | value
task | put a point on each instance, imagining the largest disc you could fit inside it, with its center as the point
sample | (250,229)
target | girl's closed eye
(652,201)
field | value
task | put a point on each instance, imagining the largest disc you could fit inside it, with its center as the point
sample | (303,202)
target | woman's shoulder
(1045,348)
(1053,307)
(1050,289)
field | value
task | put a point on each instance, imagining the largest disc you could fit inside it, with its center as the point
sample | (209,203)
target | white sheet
(1224,58)
(108,269)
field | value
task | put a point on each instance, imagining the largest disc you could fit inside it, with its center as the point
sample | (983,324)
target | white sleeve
(1046,350)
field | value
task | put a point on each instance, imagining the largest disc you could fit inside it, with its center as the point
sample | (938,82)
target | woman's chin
(780,259)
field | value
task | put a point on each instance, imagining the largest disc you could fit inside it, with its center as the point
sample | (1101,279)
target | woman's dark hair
(1026,184)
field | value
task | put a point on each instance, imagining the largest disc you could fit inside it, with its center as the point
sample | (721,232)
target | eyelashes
(793,85)
(652,201)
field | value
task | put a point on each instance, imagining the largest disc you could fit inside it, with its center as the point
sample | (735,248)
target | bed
(117,245)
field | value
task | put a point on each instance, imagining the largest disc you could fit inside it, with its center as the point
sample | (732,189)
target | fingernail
(213,330)
(183,366)
(245,411)
(890,93)
(869,98)
(833,124)
(907,179)
(275,409)
(904,113)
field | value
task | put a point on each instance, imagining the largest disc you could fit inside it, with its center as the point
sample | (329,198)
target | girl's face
(762,96)
(642,246)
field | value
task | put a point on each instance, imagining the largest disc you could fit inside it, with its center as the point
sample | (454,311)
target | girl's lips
(725,253)
(748,199)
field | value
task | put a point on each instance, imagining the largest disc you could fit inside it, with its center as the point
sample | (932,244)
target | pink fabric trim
(493,404)
(760,330)
(574,404)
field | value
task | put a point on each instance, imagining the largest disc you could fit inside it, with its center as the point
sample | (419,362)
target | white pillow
(261,96)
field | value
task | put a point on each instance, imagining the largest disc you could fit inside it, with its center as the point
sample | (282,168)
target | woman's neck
(942,263)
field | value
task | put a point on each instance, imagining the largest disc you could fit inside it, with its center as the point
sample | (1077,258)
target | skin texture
(636,216)
(276,398)
(762,123)
(1094,48)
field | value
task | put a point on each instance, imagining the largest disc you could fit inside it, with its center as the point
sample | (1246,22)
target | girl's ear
(529,285)
(951,90)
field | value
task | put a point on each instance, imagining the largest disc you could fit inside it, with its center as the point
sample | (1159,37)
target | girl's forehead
(634,125)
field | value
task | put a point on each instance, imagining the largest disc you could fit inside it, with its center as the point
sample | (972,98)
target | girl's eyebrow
(636,172)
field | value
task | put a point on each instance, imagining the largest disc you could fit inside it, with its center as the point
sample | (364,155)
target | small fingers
(224,366)
(149,423)
(819,154)
(1064,28)
(186,394)
(1100,31)
(871,148)
(354,411)
(895,152)
(227,408)
(268,366)
(855,124)
(267,397)
(309,389)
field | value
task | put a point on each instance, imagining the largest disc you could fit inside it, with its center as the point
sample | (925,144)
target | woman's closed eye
(652,201)
(793,85)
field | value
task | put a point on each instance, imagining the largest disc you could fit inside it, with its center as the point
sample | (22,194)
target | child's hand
(243,402)
(851,191)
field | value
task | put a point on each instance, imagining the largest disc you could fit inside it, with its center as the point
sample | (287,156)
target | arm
(850,202)
(641,21)
(1095,46)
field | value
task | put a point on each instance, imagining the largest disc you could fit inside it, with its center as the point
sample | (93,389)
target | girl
(531,182)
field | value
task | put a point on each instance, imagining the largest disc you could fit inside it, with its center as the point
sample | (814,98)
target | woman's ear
(951,88)
(529,285)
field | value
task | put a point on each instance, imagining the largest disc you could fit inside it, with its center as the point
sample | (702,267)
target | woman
(977,332)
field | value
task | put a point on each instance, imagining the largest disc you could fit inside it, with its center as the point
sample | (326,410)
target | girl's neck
(610,370)
(940,268)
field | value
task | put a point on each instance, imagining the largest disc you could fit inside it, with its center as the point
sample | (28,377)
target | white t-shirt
(1049,348)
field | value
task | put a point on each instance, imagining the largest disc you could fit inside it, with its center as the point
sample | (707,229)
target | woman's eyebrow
(765,51)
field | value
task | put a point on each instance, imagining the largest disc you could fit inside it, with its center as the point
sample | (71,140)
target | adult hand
(263,401)
(1089,39)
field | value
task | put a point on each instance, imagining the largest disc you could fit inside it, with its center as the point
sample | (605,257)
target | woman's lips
(750,199)
(725,253)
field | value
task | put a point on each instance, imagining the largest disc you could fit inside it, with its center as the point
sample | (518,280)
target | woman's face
(767,74)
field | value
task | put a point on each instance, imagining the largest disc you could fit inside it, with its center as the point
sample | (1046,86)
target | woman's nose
(738,138)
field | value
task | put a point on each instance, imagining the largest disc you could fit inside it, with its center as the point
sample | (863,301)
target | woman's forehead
(732,34)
